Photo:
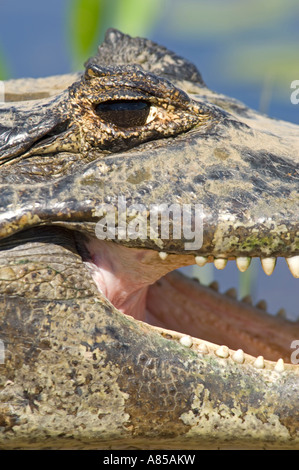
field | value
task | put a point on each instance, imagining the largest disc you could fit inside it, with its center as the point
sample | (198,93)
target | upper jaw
(238,168)
(248,199)
(243,179)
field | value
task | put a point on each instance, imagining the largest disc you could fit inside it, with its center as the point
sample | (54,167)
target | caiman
(106,344)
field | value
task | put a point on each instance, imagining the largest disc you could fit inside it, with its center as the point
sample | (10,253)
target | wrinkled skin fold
(105,345)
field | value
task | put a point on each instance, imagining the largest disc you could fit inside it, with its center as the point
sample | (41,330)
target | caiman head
(110,181)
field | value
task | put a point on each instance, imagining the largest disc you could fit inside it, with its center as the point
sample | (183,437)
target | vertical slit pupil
(124,113)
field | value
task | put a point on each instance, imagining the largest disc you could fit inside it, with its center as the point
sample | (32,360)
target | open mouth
(143,283)
(124,129)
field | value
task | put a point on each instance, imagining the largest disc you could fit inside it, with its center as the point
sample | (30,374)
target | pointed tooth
(222,351)
(214,285)
(243,263)
(239,356)
(293,264)
(259,363)
(268,265)
(279,366)
(231,293)
(220,263)
(201,260)
(262,305)
(163,255)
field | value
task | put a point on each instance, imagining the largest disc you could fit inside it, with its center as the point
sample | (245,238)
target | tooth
(201,260)
(279,366)
(293,264)
(214,285)
(259,363)
(247,299)
(163,255)
(262,305)
(243,263)
(268,265)
(220,263)
(186,341)
(222,351)
(231,293)
(203,348)
(281,313)
(238,356)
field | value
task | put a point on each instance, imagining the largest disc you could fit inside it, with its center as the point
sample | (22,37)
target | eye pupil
(124,113)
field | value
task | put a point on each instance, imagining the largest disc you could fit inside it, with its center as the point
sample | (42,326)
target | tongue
(124,274)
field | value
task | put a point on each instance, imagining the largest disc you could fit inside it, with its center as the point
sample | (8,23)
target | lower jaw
(142,288)
(178,303)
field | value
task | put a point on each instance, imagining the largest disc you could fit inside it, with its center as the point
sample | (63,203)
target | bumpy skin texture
(78,373)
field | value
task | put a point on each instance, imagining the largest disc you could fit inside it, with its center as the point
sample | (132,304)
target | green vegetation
(89,19)
(3,67)
(84,25)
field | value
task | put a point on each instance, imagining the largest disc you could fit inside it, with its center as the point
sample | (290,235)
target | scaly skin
(78,373)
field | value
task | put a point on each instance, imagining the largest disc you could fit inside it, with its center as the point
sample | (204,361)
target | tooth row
(243,263)
(223,352)
(261,304)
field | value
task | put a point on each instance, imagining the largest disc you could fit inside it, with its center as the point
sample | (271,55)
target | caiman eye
(124,113)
